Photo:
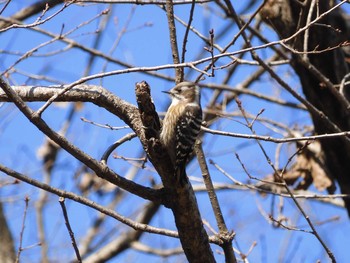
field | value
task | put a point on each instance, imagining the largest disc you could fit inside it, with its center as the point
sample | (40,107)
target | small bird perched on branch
(181,126)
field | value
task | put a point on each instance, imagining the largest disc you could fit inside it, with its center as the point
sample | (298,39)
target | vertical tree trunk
(287,17)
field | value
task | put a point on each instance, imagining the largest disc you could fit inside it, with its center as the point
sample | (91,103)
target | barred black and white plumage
(181,125)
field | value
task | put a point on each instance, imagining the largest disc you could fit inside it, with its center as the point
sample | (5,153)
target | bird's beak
(167,92)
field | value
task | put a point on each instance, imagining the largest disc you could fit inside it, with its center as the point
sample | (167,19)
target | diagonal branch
(173,40)
(29,11)
(125,240)
(122,109)
(89,203)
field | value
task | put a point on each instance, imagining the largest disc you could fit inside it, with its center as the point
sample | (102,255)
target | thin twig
(69,228)
(307,218)
(4,7)
(306,34)
(84,48)
(26,199)
(310,106)
(188,26)
(85,201)
(272,188)
(106,126)
(277,140)
(232,41)
(36,23)
(255,178)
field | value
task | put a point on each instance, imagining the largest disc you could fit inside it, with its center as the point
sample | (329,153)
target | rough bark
(287,17)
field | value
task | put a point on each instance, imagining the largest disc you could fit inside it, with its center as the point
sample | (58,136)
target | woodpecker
(181,126)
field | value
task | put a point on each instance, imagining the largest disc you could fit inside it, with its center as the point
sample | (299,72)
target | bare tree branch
(69,228)
(122,109)
(225,235)
(89,203)
(173,40)
(29,11)
(125,240)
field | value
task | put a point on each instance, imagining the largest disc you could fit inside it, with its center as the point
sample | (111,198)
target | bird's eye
(181,89)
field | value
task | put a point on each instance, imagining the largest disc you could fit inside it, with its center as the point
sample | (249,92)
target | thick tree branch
(149,116)
(122,109)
